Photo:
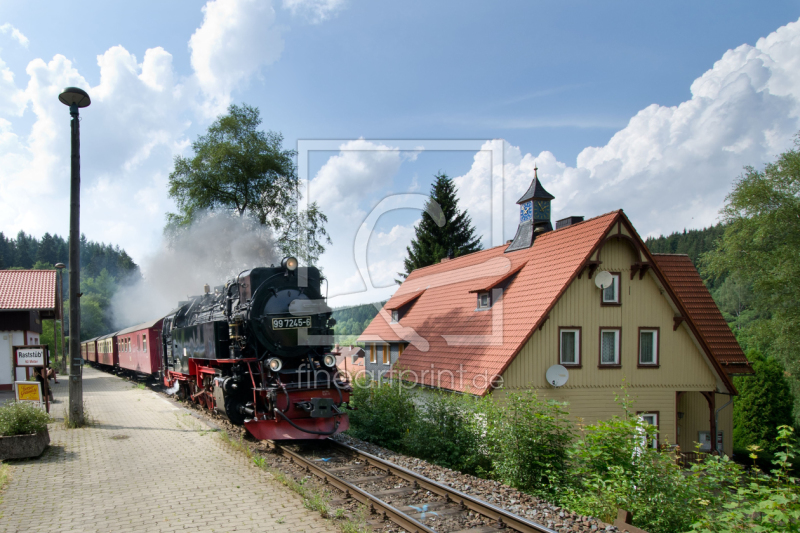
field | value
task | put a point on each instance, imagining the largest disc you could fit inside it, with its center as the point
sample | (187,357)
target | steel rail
(503,517)
(390,512)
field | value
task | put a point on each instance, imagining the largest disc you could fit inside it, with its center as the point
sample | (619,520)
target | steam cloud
(214,248)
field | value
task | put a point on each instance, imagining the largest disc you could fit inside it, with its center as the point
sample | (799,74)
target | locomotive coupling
(319,407)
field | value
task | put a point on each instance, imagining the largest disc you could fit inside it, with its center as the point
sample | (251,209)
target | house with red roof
(26,298)
(575,312)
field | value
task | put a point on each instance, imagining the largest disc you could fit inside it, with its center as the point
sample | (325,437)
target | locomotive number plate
(291,323)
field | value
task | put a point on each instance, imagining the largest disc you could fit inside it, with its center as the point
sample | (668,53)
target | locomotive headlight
(329,360)
(275,364)
(290,263)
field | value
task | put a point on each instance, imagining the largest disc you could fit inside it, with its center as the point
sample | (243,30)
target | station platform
(145,464)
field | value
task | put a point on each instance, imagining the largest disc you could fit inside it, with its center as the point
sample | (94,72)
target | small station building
(500,318)
(26,298)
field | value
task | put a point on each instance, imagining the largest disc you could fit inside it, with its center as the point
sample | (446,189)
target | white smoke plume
(214,248)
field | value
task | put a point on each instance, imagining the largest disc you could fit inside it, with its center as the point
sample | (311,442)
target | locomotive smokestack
(206,288)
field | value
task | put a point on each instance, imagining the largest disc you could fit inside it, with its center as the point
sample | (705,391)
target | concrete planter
(24,446)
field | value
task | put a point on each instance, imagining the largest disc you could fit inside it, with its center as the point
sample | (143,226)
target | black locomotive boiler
(257,351)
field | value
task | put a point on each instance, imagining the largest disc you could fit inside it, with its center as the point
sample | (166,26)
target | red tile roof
(466,348)
(447,308)
(27,289)
(398,301)
(703,311)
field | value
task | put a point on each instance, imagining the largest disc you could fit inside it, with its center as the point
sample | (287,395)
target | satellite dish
(557,375)
(603,279)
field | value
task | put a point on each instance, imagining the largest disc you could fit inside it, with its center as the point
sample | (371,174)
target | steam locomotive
(255,350)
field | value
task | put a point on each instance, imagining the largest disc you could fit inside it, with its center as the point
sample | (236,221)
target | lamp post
(75,98)
(60,268)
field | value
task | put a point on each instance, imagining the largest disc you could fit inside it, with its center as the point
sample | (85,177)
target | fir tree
(452,236)
(764,403)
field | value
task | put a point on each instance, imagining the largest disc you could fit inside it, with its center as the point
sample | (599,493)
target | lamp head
(73,96)
(60,265)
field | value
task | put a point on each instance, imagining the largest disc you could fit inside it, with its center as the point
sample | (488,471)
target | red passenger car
(140,347)
(89,350)
(107,353)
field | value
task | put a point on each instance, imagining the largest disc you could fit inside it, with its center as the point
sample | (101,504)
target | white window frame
(615,286)
(655,360)
(616,333)
(395,315)
(654,417)
(386,355)
(577,346)
(481,304)
(373,353)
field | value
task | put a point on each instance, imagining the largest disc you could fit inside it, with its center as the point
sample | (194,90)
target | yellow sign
(29,391)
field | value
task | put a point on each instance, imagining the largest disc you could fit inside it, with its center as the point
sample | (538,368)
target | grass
(314,499)
(140,386)
(5,473)
(87,419)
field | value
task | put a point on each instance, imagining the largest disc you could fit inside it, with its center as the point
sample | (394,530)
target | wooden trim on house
(657,362)
(579,353)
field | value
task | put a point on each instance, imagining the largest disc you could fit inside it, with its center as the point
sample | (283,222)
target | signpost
(30,356)
(28,391)
(33,357)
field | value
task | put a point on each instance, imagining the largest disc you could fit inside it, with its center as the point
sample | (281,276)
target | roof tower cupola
(534,215)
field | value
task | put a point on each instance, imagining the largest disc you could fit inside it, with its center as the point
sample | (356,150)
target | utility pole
(75,98)
(60,268)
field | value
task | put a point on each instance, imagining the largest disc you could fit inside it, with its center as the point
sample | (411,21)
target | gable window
(569,346)
(401,347)
(648,347)
(484,302)
(386,358)
(372,358)
(395,315)
(652,419)
(610,295)
(609,346)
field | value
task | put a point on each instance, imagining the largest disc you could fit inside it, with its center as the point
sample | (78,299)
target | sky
(654,108)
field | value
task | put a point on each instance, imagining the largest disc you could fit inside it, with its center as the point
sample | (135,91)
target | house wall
(695,419)
(590,389)
(9,339)
(377,369)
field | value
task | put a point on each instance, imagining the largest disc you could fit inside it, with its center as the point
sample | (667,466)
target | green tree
(763,405)
(243,170)
(760,244)
(443,231)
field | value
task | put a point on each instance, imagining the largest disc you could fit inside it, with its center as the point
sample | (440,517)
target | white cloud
(670,166)
(315,10)
(129,135)
(360,169)
(236,39)
(15,34)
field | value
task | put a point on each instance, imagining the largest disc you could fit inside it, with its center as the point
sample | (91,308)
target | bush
(384,413)
(749,501)
(527,441)
(764,404)
(22,418)
(446,432)
(614,468)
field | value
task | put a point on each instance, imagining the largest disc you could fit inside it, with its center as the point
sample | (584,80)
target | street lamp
(60,267)
(75,98)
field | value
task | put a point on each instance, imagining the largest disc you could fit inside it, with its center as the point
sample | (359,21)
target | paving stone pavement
(144,465)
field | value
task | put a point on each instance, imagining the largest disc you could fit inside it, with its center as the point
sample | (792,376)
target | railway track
(410,500)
